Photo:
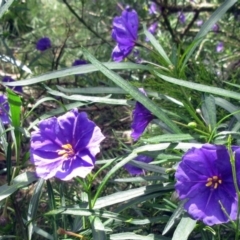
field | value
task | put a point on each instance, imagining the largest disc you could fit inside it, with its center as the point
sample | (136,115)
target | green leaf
(98,229)
(133,91)
(175,216)
(52,205)
(87,68)
(148,167)
(40,232)
(228,107)
(106,100)
(157,46)
(138,200)
(20,181)
(139,179)
(209,110)
(122,196)
(168,138)
(105,214)
(162,146)
(184,228)
(5,7)
(200,87)
(9,163)
(15,104)
(134,236)
(93,90)
(33,205)
(3,138)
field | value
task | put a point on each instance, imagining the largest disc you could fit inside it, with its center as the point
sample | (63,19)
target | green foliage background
(192,91)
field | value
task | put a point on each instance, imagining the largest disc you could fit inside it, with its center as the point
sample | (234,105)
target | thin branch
(84,23)
(188,27)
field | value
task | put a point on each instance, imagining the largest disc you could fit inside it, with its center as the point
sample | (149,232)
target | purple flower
(152,29)
(136,170)
(65,147)
(79,62)
(43,44)
(181,17)
(125,33)
(4,109)
(141,118)
(153,9)
(215,28)
(199,22)
(204,180)
(220,47)
(16,88)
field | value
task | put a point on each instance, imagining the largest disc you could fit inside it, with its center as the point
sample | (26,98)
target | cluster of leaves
(192,91)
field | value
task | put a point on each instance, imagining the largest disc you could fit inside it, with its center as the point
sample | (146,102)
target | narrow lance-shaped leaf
(87,68)
(133,91)
(157,45)
(4,7)
(15,109)
(200,87)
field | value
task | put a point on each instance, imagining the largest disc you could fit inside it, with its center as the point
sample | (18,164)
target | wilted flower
(215,28)
(65,147)
(153,9)
(15,88)
(219,47)
(181,17)
(136,170)
(141,118)
(79,62)
(205,180)
(43,44)
(4,109)
(152,29)
(125,33)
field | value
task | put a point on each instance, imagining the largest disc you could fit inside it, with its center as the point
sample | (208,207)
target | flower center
(213,182)
(66,151)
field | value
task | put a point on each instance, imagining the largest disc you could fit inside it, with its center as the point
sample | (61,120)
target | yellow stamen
(67,146)
(213,182)
(66,151)
(208,184)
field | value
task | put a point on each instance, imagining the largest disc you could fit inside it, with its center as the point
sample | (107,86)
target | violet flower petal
(153,9)
(65,147)
(43,44)
(141,118)
(120,52)
(181,17)
(220,47)
(152,29)
(4,110)
(215,28)
(195,183)
(16,88)
(125,29)
(79,62)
